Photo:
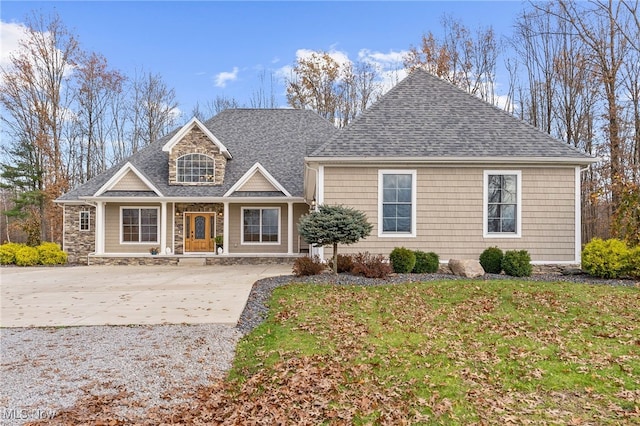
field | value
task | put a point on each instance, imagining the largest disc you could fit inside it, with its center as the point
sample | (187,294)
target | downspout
(578,213)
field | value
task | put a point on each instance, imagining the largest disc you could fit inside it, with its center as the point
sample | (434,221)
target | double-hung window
(397,203)
(502,203)
(139,224)
(85,220)
(261,225)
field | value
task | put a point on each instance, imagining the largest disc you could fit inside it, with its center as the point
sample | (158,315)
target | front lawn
(447,352)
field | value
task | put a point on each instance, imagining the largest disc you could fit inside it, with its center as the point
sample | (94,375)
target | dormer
(196,156)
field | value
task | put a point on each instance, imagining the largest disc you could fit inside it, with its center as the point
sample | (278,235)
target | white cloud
(383,60)
(10,35)
(284,73)
(224,77)
(340,57)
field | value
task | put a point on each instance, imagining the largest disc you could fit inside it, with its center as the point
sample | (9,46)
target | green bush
(491,260)
(517,263)
(426,263)
(605,259)
(402,260)
(345,263)
(632,262)
(51,254)
(27,256)
(370,266)
(308,266)
(8,253)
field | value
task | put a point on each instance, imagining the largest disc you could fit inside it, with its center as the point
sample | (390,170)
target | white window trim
(254,243)
(485,205)
(88,213)
(414,198)
(208,182)
(157,241)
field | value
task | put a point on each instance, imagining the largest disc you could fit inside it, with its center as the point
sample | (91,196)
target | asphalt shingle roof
(426,117)
(278,139)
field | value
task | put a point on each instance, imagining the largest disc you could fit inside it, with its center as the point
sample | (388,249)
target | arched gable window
(195,168)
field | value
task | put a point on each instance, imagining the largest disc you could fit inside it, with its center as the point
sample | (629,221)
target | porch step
(192,261)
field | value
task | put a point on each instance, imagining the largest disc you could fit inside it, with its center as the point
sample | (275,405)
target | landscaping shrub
(304,266)
(370,266)
(27,256)
(8,253)
(345,263)
(605,259)
(491,260)
(632,262)
(51,254)
(402,260)
(517,263)
(426,263)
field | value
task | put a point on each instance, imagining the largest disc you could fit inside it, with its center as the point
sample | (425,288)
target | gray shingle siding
(425,117)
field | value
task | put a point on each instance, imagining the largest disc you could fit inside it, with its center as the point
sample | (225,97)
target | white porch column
(290,228)
(163,227)
(225,228)
(100,227)
(320,201)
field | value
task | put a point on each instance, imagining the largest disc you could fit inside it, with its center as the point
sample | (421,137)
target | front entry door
(199,232)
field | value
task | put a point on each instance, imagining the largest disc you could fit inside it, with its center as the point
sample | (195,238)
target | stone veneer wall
(196,142)
(174,260)
(78,244)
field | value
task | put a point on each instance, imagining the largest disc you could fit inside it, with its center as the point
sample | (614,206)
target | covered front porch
(171,229)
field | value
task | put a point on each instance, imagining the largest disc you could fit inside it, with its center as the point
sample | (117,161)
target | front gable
(128,178)
(195,140)
(130,182)
(257,179)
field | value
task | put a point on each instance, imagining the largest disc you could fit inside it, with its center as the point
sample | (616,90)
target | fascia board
(455,160)
(120,174)
(186,128)
(257,167)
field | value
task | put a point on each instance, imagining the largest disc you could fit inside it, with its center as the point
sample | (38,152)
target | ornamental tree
(333,225)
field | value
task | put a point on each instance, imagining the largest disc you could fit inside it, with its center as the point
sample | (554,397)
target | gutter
(455,160)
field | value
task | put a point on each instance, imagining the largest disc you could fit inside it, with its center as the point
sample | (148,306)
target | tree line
(573,72)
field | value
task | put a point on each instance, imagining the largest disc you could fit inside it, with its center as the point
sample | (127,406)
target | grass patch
(449,352)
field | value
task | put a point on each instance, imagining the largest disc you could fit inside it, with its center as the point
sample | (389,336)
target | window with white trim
(397,202)
(139,224)
(195,168)
(502,203)
(261,225)
(85,220)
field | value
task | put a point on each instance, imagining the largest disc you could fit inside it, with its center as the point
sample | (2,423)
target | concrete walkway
(124,295)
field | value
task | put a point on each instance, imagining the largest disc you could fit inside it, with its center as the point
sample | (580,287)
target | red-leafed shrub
(304,266)
(345,263)
(370,266)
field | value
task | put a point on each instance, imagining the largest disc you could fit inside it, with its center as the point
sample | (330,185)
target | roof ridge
(366,112)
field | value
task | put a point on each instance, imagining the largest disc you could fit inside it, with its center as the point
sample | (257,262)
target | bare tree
(314,85)
(33,96)
(466,60)
(264,97)
(153,110)
(337,92)
(97,85)
(608,47)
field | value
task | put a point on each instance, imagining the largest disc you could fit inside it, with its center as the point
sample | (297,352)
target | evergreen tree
(24,177)
(333,225)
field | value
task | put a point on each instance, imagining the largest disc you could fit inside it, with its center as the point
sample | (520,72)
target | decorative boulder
(466,268)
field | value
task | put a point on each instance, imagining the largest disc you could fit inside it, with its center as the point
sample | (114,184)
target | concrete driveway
(123,295)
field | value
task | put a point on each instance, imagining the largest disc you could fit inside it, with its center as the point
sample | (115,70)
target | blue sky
(203,49)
